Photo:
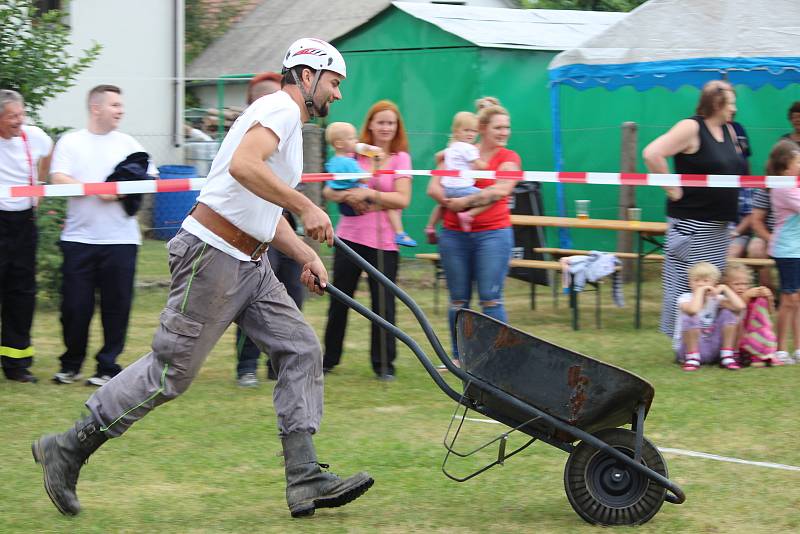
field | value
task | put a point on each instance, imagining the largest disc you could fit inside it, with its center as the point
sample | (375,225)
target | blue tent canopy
(753,72)
(672,43)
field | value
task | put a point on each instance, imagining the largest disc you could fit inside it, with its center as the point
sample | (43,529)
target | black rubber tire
(629,498)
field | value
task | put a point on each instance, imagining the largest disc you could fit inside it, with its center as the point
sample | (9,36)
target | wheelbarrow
(613,475)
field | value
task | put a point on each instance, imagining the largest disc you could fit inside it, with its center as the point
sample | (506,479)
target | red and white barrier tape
(604,178)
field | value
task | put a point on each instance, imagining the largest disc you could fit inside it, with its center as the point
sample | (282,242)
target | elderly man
(24,156)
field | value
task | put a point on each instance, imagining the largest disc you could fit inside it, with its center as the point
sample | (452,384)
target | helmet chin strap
(309,98)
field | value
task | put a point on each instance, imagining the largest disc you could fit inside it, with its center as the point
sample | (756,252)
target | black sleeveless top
(713,157)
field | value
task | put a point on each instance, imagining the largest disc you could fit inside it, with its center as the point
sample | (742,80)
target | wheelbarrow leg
(437,270)
(573,303)
(637,425)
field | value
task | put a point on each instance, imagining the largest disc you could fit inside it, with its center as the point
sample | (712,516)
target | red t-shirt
(498,215)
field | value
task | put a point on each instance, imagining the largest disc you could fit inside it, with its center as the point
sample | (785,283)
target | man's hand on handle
(317,224)
(315,276)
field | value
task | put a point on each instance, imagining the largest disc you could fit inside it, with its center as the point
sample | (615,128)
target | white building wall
(139,56)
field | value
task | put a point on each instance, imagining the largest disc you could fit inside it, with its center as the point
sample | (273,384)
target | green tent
(434,60)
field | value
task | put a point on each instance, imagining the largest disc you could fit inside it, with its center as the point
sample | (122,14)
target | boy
(342,137)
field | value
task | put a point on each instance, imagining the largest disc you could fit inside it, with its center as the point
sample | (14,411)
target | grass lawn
(207,462)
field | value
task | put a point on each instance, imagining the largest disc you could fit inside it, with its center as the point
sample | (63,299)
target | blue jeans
(480,257)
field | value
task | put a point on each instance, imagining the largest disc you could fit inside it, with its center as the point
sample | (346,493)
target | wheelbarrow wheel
(606,491)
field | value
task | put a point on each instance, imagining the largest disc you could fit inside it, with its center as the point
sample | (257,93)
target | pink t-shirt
(372,229)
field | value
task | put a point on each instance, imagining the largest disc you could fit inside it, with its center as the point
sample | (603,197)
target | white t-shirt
(15,169)
(222,193)
(91,158)
(708,314)
(458,156)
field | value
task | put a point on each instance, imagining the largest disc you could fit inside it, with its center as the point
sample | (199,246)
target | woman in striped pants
(698,217)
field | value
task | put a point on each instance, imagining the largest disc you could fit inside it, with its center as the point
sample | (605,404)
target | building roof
(532,29)
(258,41)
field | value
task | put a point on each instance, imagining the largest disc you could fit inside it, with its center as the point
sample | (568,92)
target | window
(47,5)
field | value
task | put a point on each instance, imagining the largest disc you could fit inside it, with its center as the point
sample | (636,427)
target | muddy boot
(308,487)
(62,456)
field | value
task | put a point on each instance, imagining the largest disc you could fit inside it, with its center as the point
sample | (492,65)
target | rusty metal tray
(573,387)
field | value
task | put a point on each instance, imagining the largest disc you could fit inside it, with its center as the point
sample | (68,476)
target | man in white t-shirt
(24,155)
(99,241)
(219,276)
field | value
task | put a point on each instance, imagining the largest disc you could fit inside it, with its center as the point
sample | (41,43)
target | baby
(708,321)
(461,154)
(342,137)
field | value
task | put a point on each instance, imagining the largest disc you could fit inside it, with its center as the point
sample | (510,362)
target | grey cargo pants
(209,291)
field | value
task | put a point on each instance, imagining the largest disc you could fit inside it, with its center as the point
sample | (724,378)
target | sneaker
(248,380)
(98,381)
(728,362)
(797,356)
(388,377)
(404,240)
(784,357)
(66,377)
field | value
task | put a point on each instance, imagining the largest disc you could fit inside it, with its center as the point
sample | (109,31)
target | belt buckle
(259,251)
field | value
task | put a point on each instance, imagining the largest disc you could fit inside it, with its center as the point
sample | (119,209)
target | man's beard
(322,111)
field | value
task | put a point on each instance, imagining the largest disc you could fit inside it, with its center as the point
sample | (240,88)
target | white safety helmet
(319,56)
(314,53)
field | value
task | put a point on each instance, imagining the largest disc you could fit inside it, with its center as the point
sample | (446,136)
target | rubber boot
(62,456)
(308,487)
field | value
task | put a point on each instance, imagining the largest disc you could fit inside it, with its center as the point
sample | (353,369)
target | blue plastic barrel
(169,209)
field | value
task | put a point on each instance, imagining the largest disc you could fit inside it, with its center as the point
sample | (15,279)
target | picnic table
(647,233)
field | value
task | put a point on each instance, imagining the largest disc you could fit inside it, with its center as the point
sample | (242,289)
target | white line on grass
(682,452)
(708,456)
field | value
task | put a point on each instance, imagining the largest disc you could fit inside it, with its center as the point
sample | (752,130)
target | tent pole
(555,107)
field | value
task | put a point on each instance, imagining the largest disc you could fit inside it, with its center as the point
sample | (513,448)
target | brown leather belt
(228,232)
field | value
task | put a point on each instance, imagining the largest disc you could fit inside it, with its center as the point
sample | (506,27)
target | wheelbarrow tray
(581,391)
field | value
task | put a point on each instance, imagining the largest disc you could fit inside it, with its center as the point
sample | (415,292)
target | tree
(583,5)
(204,24)
(33,53)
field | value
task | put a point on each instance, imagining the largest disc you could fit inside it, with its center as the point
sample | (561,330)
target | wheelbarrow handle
(406,299)
(399,334)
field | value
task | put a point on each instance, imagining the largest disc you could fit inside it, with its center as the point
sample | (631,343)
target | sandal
(729,362)
(405,240)
(430,232)
(772,361)
(465,221)
(691,365)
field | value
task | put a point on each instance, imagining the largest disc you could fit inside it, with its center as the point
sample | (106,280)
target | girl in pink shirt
(784,247)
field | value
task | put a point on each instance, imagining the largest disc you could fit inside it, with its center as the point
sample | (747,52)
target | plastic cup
(582,209)
(634,215)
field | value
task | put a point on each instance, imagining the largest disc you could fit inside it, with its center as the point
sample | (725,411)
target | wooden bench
(548,265)
(561,252)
